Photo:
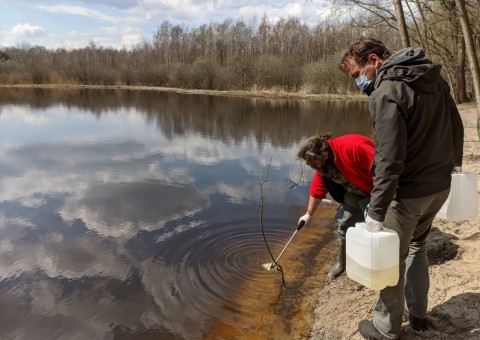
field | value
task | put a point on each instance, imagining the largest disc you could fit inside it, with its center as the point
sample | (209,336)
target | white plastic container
(462,203)
(372,258)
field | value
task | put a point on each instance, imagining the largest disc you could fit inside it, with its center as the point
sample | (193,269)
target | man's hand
(305,218)
(373,226)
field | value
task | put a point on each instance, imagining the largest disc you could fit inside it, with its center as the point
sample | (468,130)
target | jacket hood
(412,66)
(408,56)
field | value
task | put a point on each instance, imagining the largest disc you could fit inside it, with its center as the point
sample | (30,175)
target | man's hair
(315,147)
(360,49)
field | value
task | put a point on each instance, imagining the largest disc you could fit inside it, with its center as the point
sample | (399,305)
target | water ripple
(222,273)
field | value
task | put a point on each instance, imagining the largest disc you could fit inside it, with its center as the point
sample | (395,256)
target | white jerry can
(372,259)
(462,202)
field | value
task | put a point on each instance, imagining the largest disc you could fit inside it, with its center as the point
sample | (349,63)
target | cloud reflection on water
(122,209)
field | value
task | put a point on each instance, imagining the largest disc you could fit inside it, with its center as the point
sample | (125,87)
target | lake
(136,214)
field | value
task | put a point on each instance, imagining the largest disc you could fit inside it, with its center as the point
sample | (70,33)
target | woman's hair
(360,49)
(315,147)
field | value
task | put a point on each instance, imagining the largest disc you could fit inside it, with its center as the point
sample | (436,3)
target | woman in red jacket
(344,170)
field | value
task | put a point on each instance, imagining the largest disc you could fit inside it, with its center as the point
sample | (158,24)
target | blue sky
(124,23)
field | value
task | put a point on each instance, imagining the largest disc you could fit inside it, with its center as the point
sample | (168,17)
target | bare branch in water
(294,181)
(261,183)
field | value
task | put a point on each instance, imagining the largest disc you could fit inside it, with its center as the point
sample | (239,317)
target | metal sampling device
(270,265)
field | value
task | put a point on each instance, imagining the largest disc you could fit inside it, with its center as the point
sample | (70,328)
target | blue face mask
(365,84)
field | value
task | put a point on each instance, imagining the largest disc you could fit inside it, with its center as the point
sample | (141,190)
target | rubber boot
(339,267)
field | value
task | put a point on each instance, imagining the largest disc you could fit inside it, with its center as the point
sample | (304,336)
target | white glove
(457,169)
(373,226)
(305,218)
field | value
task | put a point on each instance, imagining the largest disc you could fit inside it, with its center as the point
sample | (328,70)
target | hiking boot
(418,324)
(368,331)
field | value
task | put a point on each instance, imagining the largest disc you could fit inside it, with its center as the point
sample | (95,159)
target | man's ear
(375,59)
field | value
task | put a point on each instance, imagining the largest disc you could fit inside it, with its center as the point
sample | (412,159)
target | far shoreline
(268,94)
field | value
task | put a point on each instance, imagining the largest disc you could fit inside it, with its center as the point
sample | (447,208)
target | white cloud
(131,39)
(27,30)
(82,11)
(178,11)
(22,31)
(120,4)
(135,20)
(129,35)
(294,9)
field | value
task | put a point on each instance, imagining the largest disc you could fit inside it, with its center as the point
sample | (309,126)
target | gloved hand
(305,218)
(373,226)
(457,169)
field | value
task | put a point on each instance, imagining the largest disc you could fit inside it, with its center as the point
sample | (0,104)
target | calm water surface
(136,214)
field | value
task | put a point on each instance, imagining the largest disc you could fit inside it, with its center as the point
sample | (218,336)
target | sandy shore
(454,256)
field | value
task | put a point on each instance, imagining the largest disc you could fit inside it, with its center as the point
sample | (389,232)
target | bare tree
(402,25)
(471,53)
(438,29)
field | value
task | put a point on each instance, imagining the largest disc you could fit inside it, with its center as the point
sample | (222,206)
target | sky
(124,23)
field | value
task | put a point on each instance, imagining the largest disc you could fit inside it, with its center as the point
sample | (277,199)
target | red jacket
(354,159)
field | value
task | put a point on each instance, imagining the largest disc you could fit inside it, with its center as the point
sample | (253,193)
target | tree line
(285,55)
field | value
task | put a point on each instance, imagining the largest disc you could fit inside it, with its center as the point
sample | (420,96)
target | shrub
(274,72)
(325,77)
(205,73)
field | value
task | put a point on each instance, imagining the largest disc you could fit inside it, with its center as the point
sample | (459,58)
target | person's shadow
(459,316)
(440,247)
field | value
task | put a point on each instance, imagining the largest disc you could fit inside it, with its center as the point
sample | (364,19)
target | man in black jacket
(418,135)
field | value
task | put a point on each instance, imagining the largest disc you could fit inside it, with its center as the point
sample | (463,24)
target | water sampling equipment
(270,265)
(462,202)
(372,259)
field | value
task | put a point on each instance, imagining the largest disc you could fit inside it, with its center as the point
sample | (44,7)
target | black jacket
(418,130)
